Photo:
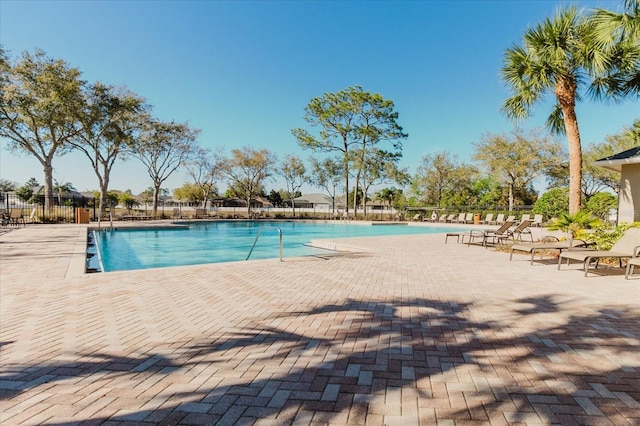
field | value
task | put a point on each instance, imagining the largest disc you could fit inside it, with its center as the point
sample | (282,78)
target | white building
(627,163)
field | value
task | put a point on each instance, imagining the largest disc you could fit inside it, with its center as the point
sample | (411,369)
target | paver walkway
(408,331)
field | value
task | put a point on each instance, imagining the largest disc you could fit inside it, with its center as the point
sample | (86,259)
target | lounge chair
(522,228)
(16,217)
(460,218)
(459,236)
(499,234)
(634,261)
(547,243)
(451,218)
(32,217)
(623,248)
(488,219)
(511,218)
(524,217)
(468,218)
(417,217)
(499,220)
(537,220)
(443,218)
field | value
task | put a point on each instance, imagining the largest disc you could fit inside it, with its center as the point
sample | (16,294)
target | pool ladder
(258,236)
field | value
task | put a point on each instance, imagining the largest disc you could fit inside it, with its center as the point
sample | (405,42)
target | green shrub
(601,203)
(552,203)
(605,237)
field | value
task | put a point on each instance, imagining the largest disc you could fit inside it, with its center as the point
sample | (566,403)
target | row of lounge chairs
(502,233)
(489,219)
(577,250)
(493,236)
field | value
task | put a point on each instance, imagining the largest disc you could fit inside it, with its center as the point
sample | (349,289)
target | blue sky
(243,71)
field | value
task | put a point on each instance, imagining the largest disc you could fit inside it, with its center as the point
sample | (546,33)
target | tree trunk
(510,196)
(104,187)
(355,196)
(156,195)
(346,190)
(48,185)
(364,200)
(575,162)
(565,90)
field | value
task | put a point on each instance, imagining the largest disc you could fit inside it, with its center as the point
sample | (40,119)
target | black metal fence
(57,210)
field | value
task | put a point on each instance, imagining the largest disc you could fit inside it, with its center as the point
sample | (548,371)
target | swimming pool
(224,241)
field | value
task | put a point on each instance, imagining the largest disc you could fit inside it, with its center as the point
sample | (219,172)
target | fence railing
(57,210)
(63,209)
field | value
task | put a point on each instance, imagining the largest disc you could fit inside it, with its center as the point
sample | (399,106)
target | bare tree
(326,174)
(294,173)
(162,148)
(206,168)
(247,169)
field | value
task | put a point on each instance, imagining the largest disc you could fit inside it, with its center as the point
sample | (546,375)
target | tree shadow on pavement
(396,361)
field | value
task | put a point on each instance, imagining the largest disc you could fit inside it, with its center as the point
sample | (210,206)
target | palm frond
(555,121)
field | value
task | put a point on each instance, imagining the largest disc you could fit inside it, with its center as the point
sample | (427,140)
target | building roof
(314,198)
(616,161)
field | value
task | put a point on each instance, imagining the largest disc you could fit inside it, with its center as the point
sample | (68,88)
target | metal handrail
(258,236)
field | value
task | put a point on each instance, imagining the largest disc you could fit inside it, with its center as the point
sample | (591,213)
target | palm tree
(555,55)
(618,34)
(387,195)
(62,188)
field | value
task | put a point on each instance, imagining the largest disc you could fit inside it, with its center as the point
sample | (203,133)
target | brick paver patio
(406,331)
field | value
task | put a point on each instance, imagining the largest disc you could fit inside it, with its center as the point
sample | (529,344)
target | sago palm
(555,56)
(572,224)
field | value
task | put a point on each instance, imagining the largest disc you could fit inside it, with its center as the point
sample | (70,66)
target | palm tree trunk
(575,162)
(565,90)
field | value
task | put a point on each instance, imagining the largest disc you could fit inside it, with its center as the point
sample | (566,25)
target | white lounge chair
(633,262)
(537,220)
(548,243)
(488,219)
(625,247)
(499,220)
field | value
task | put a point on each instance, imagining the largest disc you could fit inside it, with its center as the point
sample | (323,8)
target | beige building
(627,163)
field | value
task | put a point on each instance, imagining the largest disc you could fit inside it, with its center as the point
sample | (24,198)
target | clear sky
(243,71)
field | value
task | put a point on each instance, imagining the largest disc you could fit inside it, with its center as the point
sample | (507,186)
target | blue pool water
(226,241)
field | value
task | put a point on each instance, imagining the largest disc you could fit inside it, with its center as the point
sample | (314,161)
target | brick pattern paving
(409,331)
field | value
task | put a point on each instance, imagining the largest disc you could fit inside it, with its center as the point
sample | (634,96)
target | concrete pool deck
(407,331)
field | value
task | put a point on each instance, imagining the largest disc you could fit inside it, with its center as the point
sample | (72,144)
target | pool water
(226,241)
